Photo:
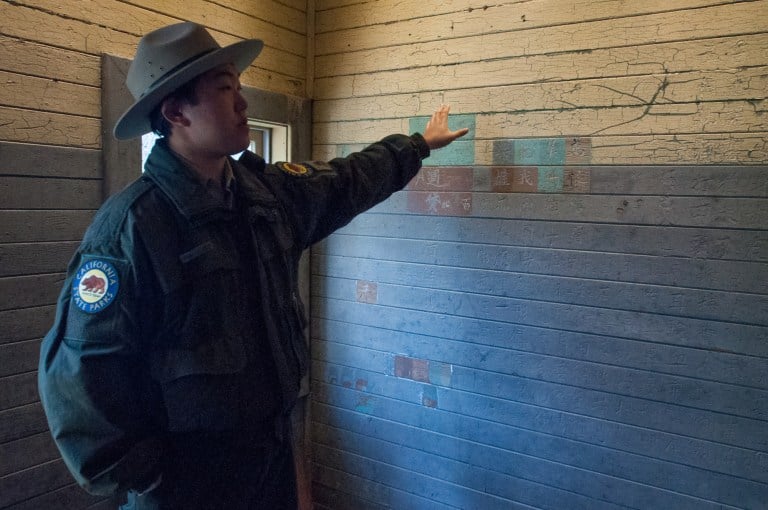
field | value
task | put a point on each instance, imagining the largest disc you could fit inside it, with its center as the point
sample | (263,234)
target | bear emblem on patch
(95,285)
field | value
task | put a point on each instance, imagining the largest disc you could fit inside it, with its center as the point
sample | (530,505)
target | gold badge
(295,169)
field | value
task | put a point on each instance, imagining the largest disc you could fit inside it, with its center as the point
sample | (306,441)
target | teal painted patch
(550,179)
(540,151)
(440,374)
(365,405)
(530,152)
(429,396)
(460,152)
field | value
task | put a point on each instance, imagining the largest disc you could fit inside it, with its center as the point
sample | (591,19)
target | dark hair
(185,94)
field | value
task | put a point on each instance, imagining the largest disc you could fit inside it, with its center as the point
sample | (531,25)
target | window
(270,140)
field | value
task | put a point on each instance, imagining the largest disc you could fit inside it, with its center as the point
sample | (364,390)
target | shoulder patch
(295,169)
(95,285)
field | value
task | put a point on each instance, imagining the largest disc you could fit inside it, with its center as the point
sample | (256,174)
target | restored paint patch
(577,180)
(578,151)
(439,203)
(542,151)
(443,179)
(441,374)
(412,368)
(367,292)
(514,179)
(429,396)
(365,404)
(347,375)
(539,151)
(332,374)
(531,179)
(503,152)
(550,179)
(460,152)
(422,370)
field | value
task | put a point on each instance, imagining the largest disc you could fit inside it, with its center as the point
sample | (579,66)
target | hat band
(174,69)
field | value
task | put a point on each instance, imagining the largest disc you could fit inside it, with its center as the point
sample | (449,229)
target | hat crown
(162,51)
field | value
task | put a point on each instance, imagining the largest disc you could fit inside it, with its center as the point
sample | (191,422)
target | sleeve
(323,197)
(94,385)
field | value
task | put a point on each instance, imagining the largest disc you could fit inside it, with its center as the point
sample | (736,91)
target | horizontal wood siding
(567,309)
(52,181)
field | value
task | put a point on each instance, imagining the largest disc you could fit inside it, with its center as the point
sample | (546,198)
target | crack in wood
(648,105)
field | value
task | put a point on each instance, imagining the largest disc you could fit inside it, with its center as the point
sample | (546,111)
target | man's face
(218,125)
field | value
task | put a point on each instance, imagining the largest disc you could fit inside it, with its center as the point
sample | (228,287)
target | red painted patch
(578,151)
(361,384)
(514,179)
(429,402)
(443,179)
(412,368)
(440,203)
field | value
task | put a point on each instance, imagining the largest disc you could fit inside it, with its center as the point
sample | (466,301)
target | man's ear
(172,111)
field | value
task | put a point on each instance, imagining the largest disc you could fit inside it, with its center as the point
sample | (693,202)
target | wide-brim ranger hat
(166,59)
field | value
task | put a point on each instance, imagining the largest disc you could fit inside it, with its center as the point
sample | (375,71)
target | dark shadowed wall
(568,309)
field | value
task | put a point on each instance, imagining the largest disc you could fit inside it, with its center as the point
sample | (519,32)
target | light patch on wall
(367,292)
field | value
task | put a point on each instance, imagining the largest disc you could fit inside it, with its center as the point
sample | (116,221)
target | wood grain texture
(651,59)
(31,160)
(469,17)
(51,180)
(49,95)
(21,56)
(390,43)
(24,226)
(691,86)
(31,126)
(18,390)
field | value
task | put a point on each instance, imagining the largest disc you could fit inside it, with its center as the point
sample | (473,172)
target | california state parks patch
(95,285)
(295,169)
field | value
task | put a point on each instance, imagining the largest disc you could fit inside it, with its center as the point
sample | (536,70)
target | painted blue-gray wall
(603,346)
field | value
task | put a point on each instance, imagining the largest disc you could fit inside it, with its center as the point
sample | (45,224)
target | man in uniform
(178,346)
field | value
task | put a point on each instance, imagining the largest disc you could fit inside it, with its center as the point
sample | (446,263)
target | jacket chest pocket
(202,316)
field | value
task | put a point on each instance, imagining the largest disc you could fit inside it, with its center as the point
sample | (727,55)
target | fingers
(440,116)
(459,133)
(437,132)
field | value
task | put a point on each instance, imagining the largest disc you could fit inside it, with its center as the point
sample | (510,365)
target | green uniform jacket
(180,315)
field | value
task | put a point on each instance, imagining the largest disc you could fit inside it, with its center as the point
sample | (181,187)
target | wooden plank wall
(567,310)
(51,180)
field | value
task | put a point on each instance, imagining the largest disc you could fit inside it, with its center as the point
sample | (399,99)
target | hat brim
(135,121)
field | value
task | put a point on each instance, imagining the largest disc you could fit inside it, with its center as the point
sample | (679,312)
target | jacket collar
(182,186)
